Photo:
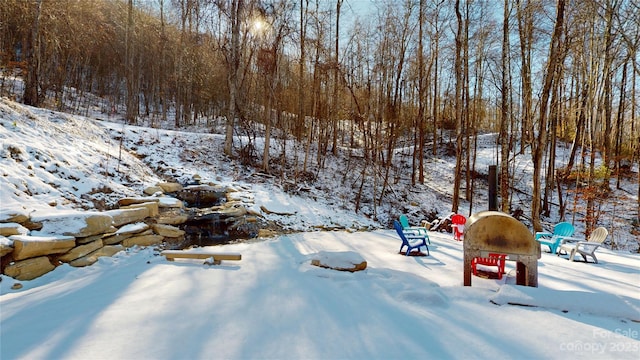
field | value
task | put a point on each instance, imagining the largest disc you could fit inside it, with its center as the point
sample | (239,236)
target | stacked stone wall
(31,246)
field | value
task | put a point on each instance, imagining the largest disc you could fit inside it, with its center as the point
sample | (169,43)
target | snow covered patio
(275,304)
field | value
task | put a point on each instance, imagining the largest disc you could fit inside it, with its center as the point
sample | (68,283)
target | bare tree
(32,54)
(237,7)
(505,111)
(525,30)
(552,67)
(459,101)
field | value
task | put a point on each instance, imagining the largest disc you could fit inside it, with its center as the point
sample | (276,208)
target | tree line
(431,75)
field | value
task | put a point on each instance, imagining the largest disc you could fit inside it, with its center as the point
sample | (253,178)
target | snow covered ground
(273,303)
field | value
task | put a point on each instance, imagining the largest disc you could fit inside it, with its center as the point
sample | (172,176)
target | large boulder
(151,190)
(169,202)
(74,223)
(128,216)
(171,217)
(152,206)
(26,246)
(29,269)
(170,187)
(167,230)
(341,261)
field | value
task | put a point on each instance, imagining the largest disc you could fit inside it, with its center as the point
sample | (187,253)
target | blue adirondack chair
(561,231)
(418,230)
(410,239)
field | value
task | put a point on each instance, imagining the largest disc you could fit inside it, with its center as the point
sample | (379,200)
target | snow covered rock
(152,206)
(26,246)
(74,223)
(172,217)
(167,230)
(12,228)
(137,200)
(11,215)
(128,216)
(29,269)
(151,190)
(126,232)
(170,187)
(341,261)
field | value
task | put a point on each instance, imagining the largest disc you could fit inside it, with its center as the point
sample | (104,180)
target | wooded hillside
(430,74)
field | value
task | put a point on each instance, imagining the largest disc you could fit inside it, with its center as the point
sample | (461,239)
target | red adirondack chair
(457,224)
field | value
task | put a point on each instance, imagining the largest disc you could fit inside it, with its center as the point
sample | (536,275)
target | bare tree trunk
(163,63)
(525,30)
(436,70)
(541,144)
(132,96)
(334,112)
(31,94)
(608,89)
(267,122)
(459,111)
(234,64)
(421,129)
(635,147)
(620,122)
(580,124)
(304,6)
(505,113)
(465,108)
(551,166)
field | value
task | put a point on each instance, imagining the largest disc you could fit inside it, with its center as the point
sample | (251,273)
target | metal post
(493,188)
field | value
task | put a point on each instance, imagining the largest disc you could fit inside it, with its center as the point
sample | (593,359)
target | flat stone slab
(342,261)
(26,246)
(74,223)
(12,228)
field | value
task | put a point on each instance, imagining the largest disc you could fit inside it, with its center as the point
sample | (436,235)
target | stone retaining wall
(31,246)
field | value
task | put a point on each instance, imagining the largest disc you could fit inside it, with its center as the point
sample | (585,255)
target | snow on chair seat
(184,254)
(494,259)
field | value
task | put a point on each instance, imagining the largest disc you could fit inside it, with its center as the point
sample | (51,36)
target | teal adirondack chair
(419,230)
(553,240)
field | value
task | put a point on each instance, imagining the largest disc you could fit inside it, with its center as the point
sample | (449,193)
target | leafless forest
(427,74)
